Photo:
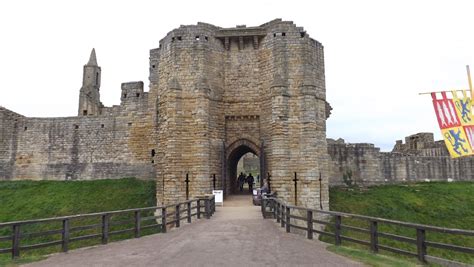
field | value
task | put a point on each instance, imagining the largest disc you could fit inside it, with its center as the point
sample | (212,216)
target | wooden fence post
(137,223)
(105,228)
(374,237)
(274,207)
(213,201)
(277,209)
(421,244)
(198,209)
(282,219)
(208,208)
(163,219)
(177,216)
(189,211)
(65,235)
(309,218)
(287,219)
(16,241)
(337,232)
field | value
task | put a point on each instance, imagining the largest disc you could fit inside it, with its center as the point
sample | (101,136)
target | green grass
(371,259)
(441,204)
(23,200)
(437,203)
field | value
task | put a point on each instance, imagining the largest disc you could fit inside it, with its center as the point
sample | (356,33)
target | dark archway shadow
(236,151)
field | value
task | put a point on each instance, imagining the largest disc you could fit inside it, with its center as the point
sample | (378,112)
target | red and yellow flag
(456,122)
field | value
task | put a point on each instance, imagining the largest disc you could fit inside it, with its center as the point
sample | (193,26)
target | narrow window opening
(129,124)
(197,38)
(138,94)
(26,128)
(206,38)
(152,161)
(179,38)
(283,34)
(274,35)
(102,126)
(124,95)
(76,126)
(84,112)
(153,66)
(97,78)
(153,153)
(302,34)
(172,39)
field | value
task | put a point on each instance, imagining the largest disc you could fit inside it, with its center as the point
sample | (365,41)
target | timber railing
(303,219)
(71,228)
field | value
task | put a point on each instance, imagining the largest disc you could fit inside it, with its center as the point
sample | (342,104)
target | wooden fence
(288,216)
(171,215)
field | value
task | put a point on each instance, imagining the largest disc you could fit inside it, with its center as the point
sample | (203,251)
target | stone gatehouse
(214,94)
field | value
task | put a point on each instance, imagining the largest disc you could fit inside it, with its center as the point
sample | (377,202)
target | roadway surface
(236,235)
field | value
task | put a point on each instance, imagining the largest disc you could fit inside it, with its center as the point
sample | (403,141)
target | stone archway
(235,151)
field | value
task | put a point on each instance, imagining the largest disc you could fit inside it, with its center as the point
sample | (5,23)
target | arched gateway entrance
(234,153)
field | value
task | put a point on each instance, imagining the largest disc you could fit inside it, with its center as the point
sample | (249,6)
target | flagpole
(470,82)
(458,90)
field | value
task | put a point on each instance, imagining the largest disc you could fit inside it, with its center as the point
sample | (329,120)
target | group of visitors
(242,179)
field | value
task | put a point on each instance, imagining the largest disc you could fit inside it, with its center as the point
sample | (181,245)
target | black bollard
(268,181)
(214,181)
(296,189)
(320,191)
(187,186)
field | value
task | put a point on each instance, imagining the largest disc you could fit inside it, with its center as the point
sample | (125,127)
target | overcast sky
(379,54)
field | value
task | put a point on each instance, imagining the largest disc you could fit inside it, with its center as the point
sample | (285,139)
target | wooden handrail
(281,212)
(401,223)
(106,224)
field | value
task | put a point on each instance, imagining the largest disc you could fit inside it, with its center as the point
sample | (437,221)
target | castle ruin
(214,95)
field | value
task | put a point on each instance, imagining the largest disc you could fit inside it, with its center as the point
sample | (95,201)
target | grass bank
(437,203)
(23,200)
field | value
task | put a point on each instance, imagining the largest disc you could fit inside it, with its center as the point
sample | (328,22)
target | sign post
(218,196)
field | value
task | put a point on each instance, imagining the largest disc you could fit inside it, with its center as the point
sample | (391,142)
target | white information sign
(219,196)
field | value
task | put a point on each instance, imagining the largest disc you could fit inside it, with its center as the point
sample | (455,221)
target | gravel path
(235,236)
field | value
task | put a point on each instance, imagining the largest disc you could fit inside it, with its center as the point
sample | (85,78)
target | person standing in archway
(241,181)
(250,181)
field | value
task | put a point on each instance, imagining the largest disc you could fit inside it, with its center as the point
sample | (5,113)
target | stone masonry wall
(74,148)
(10,123)
(369,166)
(115,144)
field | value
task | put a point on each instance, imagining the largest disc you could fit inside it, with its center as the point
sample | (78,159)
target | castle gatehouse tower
(222,92)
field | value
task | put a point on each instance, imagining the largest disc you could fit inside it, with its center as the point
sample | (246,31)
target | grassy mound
(437,203)
(22,200)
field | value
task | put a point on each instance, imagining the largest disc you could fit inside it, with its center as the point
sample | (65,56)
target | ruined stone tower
(89,96)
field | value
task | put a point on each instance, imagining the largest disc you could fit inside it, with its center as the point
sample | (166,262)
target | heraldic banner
(456,123)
